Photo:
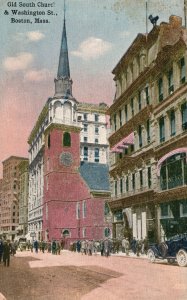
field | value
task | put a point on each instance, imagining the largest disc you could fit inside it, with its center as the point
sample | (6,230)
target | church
(68,191)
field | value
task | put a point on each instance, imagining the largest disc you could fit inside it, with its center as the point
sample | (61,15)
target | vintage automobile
(174,249)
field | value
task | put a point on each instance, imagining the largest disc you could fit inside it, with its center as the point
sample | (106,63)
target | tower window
(66,139)
(49,141)
(160,90)
(96,118)
(182,70)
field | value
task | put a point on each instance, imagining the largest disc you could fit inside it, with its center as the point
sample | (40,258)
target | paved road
(74,276)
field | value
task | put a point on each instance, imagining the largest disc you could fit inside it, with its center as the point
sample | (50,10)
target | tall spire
(63,66)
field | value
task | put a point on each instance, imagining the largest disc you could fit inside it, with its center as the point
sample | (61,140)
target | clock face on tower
(66,159)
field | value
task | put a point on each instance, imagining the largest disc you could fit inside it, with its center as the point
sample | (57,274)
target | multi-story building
(148,169)
(63,201)
(23,196)
(94,143)
(1,198)
(10,197)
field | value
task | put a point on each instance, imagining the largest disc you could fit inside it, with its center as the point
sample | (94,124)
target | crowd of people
(88,247)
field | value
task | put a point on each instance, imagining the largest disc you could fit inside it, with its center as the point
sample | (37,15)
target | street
(74,276)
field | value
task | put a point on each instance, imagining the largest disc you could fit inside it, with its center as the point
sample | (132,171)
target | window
(96,141)
(85,116)
(85,127)
(160,89)
(133,181)
(85,149)
(170,179)
(106,209)
(67,139)
(127,183)
(85,139)
(126,113)
(147,95)
(84,232)
(96,129)
(115,125)
(49,141)
(120,118)
(118,216)
(132,107)
(183,209)
(172,122)
(96,154)
(139,101)
(184,115)
(162,129)
(84,209)
(96,118)
(149,176)
(121,185)
(140,135)
(164,211)
(132,148)
(107,232)
(115,188)
(148,131)
(170,82)
(182,70)
(78,210)
(141,178)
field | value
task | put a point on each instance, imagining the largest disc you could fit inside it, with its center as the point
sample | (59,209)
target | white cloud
(124,33)
(92,48)
(37,75)
(35,36)
(20,62)
(30,36)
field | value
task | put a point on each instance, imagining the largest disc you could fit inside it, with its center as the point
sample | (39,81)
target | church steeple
(63,66)
(63,82)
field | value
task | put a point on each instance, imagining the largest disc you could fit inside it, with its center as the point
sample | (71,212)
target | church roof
(95,175)
(63,66)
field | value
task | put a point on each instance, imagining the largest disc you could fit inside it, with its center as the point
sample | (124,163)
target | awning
(124,143)
(171,153)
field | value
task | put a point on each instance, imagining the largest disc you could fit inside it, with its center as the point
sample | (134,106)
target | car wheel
(182,258)
(171,260)
(151,256)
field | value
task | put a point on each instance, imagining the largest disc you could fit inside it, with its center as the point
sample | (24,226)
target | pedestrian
(102,247)
(133,245)
(106,247)
(58,248)
(1,250)
(13,248)
(90,247)
(78,246)
(36,246)
(138,247)
(43,246)
(83,247)
(145,246)
(6,253)
(49,247)
(53,247)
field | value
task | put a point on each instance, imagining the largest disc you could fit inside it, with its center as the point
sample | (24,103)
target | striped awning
(124,143)
(171,153)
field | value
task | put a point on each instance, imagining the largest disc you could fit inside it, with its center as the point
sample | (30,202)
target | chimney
(175,21)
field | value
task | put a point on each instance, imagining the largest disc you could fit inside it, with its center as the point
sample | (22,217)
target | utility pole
(185,13)
(146,8)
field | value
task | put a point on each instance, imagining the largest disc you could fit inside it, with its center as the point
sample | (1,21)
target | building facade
(94,144)
(23,196)
(10,197)
(148,142)
(62,202)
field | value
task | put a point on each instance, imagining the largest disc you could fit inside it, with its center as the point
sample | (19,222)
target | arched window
(66,233)
(107,209)
(107,232)
(67,139)
(48,141)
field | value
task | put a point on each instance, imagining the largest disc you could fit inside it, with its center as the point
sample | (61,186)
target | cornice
(40,120)
(67,128)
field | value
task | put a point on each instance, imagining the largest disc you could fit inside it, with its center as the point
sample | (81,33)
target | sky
(98,34)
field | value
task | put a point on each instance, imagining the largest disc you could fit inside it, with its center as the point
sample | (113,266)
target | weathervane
(153,19)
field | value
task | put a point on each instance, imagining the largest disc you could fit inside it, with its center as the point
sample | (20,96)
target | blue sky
(98,32)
